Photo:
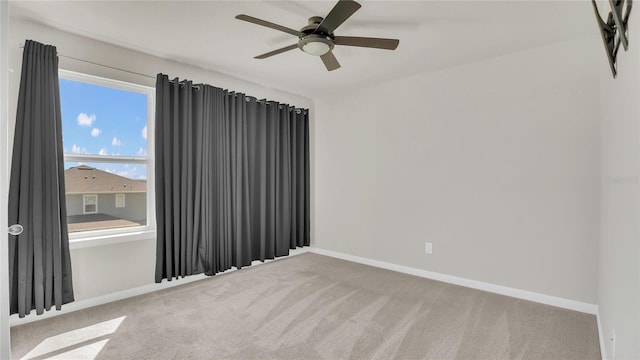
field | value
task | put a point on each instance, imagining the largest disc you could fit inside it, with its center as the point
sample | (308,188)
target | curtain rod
(98,64)
(183,82)
(248,98)
(139,74)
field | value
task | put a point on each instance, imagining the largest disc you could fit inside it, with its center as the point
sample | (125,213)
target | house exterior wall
(74,205)
(135,206)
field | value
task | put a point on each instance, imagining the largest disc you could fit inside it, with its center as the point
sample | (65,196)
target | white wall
(619,250)
(5,344)
(496,163)
(112,268)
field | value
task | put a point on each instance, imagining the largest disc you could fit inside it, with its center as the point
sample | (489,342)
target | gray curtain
(39,262)
(232,179)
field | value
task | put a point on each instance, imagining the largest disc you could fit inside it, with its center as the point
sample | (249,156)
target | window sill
(95,238)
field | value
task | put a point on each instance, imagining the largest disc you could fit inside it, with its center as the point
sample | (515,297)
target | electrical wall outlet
(613,343)
(428,248)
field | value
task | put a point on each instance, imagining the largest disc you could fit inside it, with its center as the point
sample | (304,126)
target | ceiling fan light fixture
(315,45)
(316,48)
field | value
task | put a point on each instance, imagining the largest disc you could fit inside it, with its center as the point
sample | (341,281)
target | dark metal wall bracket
(614,31)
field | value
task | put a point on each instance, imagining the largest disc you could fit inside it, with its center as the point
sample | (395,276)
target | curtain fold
(232,179)
(39,259)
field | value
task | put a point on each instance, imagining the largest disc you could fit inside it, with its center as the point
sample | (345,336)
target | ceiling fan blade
(268,24)
(378,43)
(340,12)
(276,52)
(330,61)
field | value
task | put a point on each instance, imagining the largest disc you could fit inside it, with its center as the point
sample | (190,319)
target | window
(90,204)
(120,201)
(107,138)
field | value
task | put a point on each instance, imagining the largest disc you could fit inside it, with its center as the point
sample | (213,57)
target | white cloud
(78,150)
(95,132)
(85,119)
(116,142)
(103,151)
(131,173)
(144,132)
(141,152)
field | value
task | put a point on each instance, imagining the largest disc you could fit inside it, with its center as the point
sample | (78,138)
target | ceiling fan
(317,37)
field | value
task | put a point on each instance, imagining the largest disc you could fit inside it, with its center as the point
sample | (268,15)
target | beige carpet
(313,307)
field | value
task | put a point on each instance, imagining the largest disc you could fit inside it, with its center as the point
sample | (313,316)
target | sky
(99,120)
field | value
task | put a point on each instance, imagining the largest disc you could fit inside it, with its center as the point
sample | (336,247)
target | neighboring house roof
(84,179)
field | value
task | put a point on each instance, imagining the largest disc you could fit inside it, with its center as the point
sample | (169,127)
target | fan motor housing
(314,27)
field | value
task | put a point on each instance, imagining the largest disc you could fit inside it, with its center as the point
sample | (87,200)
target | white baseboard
(498,289)
(474,284)
(14,320)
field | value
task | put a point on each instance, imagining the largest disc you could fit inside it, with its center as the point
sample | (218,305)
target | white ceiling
(433,34)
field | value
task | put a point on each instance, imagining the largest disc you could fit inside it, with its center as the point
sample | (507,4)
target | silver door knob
(15,229)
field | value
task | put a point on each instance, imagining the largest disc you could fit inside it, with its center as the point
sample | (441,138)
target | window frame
(84,203)
(110,236)
(124,201)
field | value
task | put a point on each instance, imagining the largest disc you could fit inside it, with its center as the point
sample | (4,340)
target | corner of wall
(619,242)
